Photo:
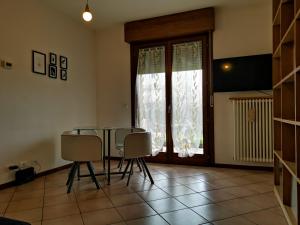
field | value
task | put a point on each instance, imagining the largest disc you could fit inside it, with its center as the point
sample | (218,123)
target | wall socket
(6,65)
(25,164)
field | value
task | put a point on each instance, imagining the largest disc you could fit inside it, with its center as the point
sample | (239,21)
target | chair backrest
(70,132)
(121,133)
(88,132)
(137,145)
(80,148)
(136,130)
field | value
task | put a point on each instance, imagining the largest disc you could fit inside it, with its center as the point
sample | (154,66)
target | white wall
(113,81)
(113,84)
(34,108)
(239,31)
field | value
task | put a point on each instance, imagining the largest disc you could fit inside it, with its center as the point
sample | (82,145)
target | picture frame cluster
(39,65)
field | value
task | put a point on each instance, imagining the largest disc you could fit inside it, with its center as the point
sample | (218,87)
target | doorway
(170,98)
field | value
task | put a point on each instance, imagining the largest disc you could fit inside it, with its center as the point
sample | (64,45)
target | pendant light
(87,15)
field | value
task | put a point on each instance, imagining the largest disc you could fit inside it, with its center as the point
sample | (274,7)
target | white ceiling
(109,12)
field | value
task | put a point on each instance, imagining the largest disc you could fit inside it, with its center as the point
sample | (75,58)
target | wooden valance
(175,25)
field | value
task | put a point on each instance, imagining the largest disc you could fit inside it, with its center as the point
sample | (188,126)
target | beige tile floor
(182,195)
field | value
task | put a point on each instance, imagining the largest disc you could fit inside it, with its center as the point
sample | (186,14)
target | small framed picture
(63,74)
(53,71)
(53,58)
(38,62)
(63,62)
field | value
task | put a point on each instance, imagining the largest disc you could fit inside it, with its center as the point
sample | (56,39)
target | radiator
(253,129)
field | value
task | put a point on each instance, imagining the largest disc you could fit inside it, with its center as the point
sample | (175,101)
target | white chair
(120,135)
(80,148)
(136,147)
(83,132)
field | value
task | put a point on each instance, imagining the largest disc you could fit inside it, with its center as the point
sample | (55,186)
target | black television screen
(243,73)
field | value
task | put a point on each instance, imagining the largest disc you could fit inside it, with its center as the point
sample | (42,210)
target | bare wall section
(36,109)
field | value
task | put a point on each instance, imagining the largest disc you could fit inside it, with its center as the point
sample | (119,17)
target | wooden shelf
(288,142)
(288,100)
(287,65)
(286,105)
(287,16)
(287,211)
(297,7)
(298,155)
(276,20)
(291,122)
(276,8)
(276,71)
(277,102)
(297,93)
(279,191)
(277,136)
(297,42)
(287,78)
(291,167)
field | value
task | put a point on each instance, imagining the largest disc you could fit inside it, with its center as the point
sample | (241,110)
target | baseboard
(221,165)
(114,158)
(44,173)
(7,185)
(243,167)
(54,170)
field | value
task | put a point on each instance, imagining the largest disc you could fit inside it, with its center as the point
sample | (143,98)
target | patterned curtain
(151,101)
(187,113)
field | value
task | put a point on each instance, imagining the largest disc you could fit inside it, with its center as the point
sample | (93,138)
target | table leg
(108,157)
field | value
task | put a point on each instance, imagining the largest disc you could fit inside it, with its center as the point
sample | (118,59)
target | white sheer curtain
(151,100)
(187,113)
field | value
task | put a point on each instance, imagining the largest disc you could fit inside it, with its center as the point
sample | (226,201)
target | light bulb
(87,15)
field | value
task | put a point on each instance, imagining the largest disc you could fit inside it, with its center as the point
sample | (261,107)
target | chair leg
(126,168)
(78,172)
(72,175)
(147,170)
(70,172)
(144,172)
(121,164)
(139,165)
(90,167)
(131,171)
(93,169)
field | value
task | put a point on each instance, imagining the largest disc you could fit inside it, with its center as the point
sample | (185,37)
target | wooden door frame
(208,112)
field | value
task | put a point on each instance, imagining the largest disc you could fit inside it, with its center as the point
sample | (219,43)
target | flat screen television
(245,73)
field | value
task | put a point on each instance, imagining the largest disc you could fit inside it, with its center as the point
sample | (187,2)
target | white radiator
(253,129)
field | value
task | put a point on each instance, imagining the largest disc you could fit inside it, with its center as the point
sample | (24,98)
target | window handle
(169,109)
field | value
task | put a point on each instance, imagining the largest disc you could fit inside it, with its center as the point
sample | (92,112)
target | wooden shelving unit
(286,109)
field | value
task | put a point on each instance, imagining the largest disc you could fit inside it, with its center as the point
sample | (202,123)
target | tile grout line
(114,207)
(237,197)
(77,204)
(10,200)
(255,211)
(42,219)
(136,192)
(171,196)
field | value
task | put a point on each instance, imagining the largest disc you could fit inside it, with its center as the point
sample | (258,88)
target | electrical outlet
(30,163)
(5,64)
(23,164)
(13,167)
(35,162)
